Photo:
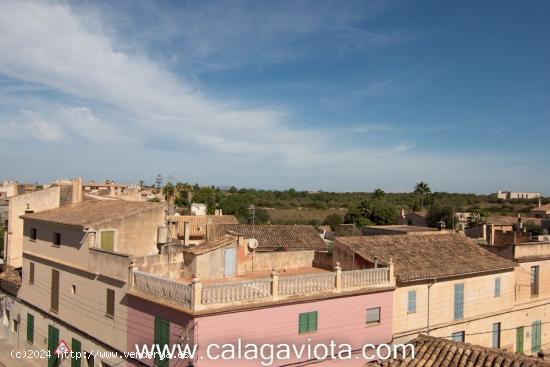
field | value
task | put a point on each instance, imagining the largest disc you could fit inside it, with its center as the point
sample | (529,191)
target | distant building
(413,218)
(398,230)
(198,209)
(512,195)
(541,211)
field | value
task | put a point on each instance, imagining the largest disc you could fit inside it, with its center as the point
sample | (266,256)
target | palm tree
(422,189)
(378,194)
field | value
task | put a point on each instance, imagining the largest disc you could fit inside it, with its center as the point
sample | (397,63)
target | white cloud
(48,44)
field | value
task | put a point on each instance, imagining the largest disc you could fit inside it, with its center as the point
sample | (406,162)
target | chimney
(520,222)
(209,229)
(186,233)
(77,190)
(539,202)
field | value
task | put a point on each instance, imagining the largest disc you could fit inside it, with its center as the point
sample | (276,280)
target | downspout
(428,321)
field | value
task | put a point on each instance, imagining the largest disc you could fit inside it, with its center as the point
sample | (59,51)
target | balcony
(198,296)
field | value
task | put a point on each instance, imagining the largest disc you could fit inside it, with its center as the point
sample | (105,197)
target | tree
(333,220)
(378,194)
(141,184)
(438,213)
(422,189)
(168,190)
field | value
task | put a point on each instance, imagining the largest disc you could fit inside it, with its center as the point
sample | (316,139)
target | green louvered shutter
(53,341)
(519,339)
(312,321)
(30,328)
(162,337)
(303,323)
(76,348)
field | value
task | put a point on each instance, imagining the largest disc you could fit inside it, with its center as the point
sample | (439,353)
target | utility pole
(252,210)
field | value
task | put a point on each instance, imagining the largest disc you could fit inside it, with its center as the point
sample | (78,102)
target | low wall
(282,260)
(323,260)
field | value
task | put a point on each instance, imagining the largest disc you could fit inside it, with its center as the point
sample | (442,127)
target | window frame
(30,328)
(31,272)
(310,324)
(459,336)
(411,310)
(496,335)
(373,323)
(498,284)
(33,234)
(110,303)
(56,239)
(106,230)
(535,280)
(458,309)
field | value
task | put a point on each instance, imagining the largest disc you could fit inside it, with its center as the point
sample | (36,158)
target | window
(411,302)
(536,336)
(534,280)
(458,336)
(307,322)
(15,325)
(107,240)
(76,348)
(73,289)
(162,337)
(496,335)
(373,316)
(497,287)
(53,342)
(57,239)
(31,273)
(110,309)
(459,301)
(54,295)
(30,328)
(32,234)
(519,339)
(90,360)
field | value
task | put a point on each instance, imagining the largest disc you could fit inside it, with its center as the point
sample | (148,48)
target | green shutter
(307,322)
(53,341)
(519,339)
(303,323)
(312,321)
(76,348)
(536,337)
(30,328)
(108,240)
(162,338)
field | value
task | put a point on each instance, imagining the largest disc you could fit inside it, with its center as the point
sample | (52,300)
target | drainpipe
(428,321)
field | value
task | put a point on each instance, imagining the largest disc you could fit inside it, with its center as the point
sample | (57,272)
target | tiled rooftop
(91,212)
(276,237)
(439,352)
(427,256)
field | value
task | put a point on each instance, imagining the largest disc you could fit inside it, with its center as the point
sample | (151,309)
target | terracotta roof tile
(91,212)
(439,352)
(427,256)
(211,245)
(275,237)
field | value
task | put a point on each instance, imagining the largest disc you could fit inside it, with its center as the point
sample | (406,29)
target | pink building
(307,321)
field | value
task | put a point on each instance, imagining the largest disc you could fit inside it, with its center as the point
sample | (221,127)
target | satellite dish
(253,244)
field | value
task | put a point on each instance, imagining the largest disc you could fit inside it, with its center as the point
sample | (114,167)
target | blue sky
(307,94)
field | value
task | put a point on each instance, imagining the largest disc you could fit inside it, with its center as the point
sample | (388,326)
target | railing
(365,277)
(236,291)
(163,287)
(197,295)
(302,284)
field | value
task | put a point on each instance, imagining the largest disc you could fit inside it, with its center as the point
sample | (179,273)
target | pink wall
(341,319)
(141,325)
